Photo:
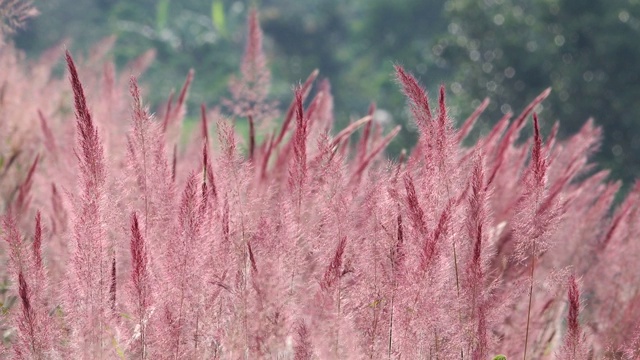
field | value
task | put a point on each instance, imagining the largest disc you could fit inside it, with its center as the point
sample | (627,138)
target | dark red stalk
(37,242)
(398,251)
(252,259)
(415,210)
(22,202)
(203,123)
(304,90)
(442,117)
(28,315)
(333,271)
(539,164)
(174,163)
(573,327)
(138,252)
(226,232)
(298,168)
(112,288)
(252,138)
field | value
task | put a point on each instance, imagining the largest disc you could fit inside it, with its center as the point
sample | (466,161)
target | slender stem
(337,329)
(145,189)
(533,266)
(455,261)
(391,326)
(252,138)
(437,350)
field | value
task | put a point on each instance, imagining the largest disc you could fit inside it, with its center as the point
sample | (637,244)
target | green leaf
(119,350)
(162,13)
(217,16)
(500,357)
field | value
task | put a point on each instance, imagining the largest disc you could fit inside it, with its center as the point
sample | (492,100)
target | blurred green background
(507,50)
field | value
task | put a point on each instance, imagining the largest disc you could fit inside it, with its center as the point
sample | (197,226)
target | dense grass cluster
(122,240)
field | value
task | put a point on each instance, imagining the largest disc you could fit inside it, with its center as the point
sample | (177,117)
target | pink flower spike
(573,347)
(23,200)
(138,262)
(91,156)
(203,122)
(298,168)
(334,270)
(37,242)
(538,162)
(418,101)
(49,139)
(304,90)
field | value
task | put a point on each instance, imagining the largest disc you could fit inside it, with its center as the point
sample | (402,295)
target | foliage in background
(586,51)
(342,39)
(356,44)
(182,34)
(509,50)
(13,14)
(139,246)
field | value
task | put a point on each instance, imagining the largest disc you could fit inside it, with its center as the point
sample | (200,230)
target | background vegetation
(508,50)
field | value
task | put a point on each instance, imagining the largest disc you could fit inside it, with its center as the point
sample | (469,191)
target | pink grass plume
(417,96)
(298,166)
(90,296)
(36,334)
(23,200)
(573,347)
(141,287)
